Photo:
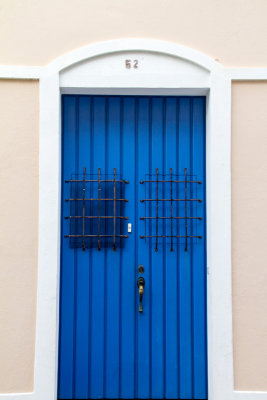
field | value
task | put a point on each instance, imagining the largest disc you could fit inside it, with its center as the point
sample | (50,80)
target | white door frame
(196,74)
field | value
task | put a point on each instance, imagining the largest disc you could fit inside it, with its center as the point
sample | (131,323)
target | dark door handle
(140,285)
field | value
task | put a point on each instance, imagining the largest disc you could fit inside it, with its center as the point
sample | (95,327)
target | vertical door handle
(140,285)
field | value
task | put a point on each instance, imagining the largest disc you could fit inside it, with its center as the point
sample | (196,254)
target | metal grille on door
(96,211)
(171,208)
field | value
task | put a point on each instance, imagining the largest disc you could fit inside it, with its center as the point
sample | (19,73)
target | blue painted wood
(98,320)
(107,349)
(81,373)
(185,306)
(113,269)
(128,257)
(157,261)
(170,264)
(143,254)
(199,258)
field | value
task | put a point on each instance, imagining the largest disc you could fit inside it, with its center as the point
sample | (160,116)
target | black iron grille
(171,208)
(96,210)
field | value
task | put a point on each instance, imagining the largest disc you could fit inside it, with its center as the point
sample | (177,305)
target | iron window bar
(169,236)
(186,222)
(114,211)
(83,235)
(95,216)
(168,181)
(97,199)
(96,180)
(199,218)
(84,172)
(172,201)
(157,208)
(171,212)
(77,236)
(143,200)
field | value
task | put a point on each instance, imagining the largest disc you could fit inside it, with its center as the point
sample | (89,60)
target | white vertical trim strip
(219,278)
(49,239)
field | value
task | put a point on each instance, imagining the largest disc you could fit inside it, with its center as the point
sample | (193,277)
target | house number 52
(131,64)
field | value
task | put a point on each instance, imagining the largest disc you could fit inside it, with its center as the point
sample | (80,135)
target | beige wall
(249,234)
(34,32)
(18,233)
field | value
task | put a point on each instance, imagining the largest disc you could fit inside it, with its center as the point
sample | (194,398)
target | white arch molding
(164,68)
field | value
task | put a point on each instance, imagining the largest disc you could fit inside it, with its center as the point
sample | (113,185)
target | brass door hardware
(140,285)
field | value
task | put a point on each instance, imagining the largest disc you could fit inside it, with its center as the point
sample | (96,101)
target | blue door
(133,248)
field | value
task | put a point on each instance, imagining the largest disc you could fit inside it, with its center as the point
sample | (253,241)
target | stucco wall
(249,234)
(18,232)
(35,32)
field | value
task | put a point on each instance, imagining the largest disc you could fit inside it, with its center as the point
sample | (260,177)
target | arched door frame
(205,77)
